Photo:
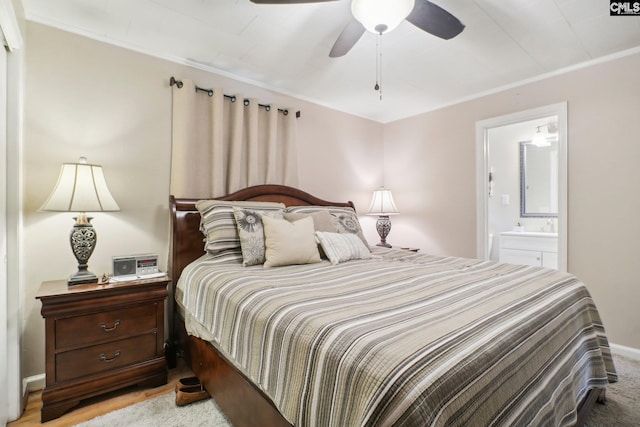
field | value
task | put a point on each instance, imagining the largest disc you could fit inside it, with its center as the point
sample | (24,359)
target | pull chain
(378,85)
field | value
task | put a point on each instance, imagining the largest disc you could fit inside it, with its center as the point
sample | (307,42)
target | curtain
(220,145)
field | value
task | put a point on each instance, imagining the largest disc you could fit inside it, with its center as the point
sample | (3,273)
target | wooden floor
(100,405)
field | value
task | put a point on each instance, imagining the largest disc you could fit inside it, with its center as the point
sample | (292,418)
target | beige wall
(113,106)
(429,163)
(83,97)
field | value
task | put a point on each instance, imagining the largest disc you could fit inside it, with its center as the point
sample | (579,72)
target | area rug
(162,411)
(622,408)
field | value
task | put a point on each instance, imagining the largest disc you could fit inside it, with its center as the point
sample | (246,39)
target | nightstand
(99,338)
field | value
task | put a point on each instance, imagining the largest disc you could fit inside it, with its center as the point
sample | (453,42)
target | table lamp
(81,188)
(383,205)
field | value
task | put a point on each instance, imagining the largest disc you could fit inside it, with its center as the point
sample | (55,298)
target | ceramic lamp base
(83,241)
(383,227)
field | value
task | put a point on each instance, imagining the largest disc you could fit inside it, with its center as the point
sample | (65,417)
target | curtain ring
(210,92)
(246,102)
(267,107)
(285,112)
(233,98)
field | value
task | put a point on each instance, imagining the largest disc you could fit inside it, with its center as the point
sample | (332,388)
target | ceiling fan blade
(288,1)
(435,20)
(347,38)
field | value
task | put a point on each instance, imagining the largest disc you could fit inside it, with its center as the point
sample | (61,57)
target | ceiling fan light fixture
(381,16)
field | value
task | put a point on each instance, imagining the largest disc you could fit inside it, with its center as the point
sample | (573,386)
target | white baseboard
(33,383)
(622,350)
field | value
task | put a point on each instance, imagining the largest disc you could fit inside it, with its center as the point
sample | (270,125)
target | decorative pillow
(322,220)
(344,219)
(251,232)
(289,242)
(218,224)
(341,247)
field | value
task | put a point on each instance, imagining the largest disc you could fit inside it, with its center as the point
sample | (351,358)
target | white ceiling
(286,47)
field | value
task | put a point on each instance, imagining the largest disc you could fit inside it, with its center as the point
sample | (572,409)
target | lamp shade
(382,203)
(81,187)
(381,16)
(540,139)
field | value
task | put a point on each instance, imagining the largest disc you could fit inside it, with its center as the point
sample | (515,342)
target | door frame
(482,174)
(11,43)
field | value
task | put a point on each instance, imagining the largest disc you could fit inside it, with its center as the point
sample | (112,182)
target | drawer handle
(104,358)
(115,325)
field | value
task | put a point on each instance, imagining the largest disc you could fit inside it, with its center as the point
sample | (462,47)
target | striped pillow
(218,224)
(340,247)
(345,219)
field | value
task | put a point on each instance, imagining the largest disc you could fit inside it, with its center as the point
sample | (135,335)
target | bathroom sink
(529,233)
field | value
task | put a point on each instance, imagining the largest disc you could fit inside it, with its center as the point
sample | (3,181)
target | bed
(399,338)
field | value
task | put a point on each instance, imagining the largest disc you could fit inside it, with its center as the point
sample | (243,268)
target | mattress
(404,339)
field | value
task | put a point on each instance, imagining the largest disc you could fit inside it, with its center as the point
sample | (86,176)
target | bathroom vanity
(529,248)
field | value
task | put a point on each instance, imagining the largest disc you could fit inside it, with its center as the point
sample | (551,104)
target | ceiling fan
(382,16)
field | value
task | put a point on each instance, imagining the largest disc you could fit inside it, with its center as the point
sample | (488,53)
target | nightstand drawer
(91,360)
(105,326)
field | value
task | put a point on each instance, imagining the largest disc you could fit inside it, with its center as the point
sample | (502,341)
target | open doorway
(521,167)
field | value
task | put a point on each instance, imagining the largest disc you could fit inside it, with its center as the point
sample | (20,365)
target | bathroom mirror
(539,180)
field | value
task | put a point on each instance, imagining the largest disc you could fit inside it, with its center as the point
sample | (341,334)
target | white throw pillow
(289,243)
(340,247)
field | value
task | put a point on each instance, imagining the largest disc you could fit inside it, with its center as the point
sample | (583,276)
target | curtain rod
(173,81)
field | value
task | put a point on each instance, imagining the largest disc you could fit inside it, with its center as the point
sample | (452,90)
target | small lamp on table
(383,205)
(81,188)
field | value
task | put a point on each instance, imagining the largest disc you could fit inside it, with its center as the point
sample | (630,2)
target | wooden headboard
(187,240)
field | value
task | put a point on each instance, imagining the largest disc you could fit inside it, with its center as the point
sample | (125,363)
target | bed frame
(240,400)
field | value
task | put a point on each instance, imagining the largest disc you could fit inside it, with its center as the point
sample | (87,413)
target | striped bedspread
(406,339)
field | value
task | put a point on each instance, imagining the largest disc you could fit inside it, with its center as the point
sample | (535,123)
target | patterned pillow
(345,219)
(341,247)
(251,233)
(218,223)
